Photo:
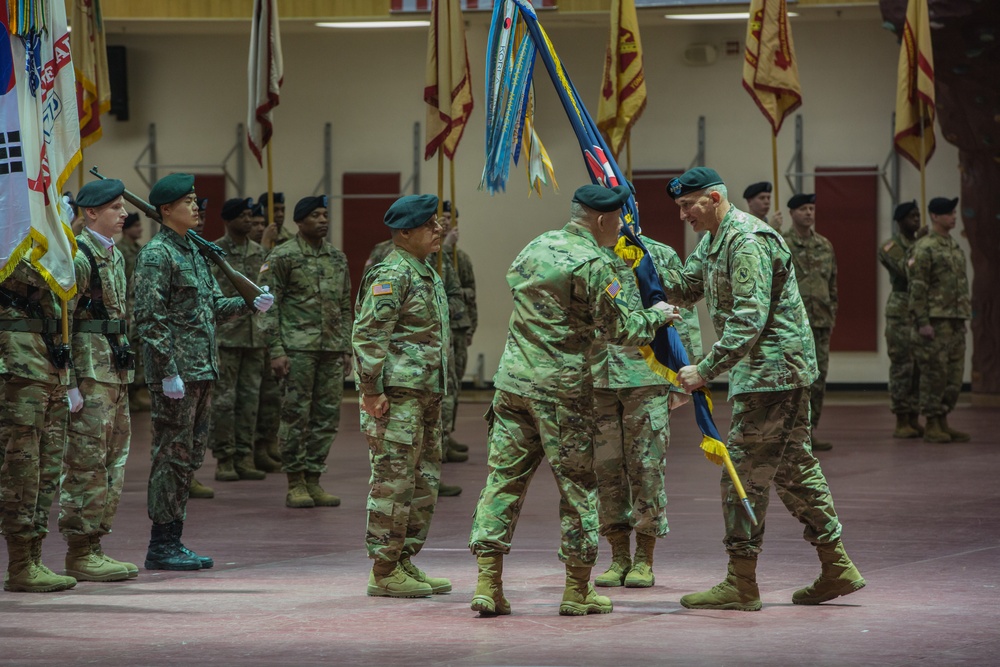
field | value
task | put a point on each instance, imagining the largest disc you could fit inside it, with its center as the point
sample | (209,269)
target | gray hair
(720,188)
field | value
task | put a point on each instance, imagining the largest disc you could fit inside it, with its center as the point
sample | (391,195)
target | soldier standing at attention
(128,245)
(177,305)
(34,378)
(816,272)
(744,271)
(904,392)
(100,427)
(308,337)
(567,299)
(275,234)
(258,223)
(758,197)
(939,306)
(241,359)
(401,350)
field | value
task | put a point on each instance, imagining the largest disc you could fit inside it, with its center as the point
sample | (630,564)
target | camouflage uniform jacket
(23,353)
(618,367)
(177,305)
(467,279)
(816,271)
(130,252)
(894,254)
(312,298)
(245,331)
(939,286)
(92,354)
(379,252)
(746,275)
(453,288)
(567,300)
(401,337)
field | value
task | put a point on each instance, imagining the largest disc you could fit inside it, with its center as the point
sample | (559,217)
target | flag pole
(270,193)
(774,167)
(454,213)
(440,198)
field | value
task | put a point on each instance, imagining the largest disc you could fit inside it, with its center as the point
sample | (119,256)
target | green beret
(755,189)
(602,199)
(800,200)
(99,193)
(937,206)
(171,188)
(307,205)
(693,180)
(411,211)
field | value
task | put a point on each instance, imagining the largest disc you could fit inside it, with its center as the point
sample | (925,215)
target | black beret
(279,198)
(98,193)
(693,180)
(307,205)
(233,208)
(937,206)
(258,210)
(130,219)
(904,209)
(411,211)
(756,188)
(171,188)
(602,199)
(800,199)
(203,204)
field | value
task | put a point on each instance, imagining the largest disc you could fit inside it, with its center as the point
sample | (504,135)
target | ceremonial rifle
(247,289)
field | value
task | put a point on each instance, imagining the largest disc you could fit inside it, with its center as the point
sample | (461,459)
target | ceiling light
(374,24)
(718,16)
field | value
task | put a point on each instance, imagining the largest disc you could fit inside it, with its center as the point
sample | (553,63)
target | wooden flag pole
(923,168)
(440,199)
(774,167)
(270,194)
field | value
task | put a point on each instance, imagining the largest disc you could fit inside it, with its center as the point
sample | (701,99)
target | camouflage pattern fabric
(235,401)
(467,279)
(523,432)
(379,252)
(903,372)
(180,439)
(310,409)
(633,432)
(817,390)
(130,254)
(816,272)
(94,465)
(459,323)
(24,354)
(404,447)
(769,442)
(244,331)
(745,273)
(33,417)
(942,363)
(268,407)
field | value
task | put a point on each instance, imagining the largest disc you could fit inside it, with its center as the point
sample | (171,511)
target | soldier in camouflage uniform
(758,198)
(816,272)
(308,337)
(567,299)
(100,427)
(744,271)
(939,305)
(401,344)
(903,373)
(241,360)
(177,306)
(129,246)
(276,232)
(632,405)
(33,416)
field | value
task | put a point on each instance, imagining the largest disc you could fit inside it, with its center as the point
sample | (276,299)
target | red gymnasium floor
(288,588)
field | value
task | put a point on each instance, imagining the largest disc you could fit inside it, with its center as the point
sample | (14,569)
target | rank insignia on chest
(381,289)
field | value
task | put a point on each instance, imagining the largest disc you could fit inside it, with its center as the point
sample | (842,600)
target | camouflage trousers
(404,448)
(522,433)
(633,432)
(817,392)
(268,407)
(456,366)
(310,409)
(180,439)
(904,376)
(769,442)
(33,419)
(94,466)
(942,364)
(234,401)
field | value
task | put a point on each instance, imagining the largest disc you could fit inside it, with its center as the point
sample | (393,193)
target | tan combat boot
(298,494)
(934,431)
(621,560)
(84,565)
(225,471)
(95,546)
(837,577)
(437,584)
(25,575)
(263,461)
(320,497)
(903,428)
(199,490)
(641,574)
(451,443)
(915,423)
(388,579)
(956,436)
(737,591)
(489,599)
(580,598)
(449,490)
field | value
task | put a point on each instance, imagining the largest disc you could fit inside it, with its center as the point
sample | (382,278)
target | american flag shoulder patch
(614,288)
(381,289)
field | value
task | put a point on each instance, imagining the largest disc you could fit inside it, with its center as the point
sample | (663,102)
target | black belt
(105,327)
(31,326)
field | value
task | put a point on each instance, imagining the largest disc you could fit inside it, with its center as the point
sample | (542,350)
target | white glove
(173,387)
(264,301)
(75,399)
